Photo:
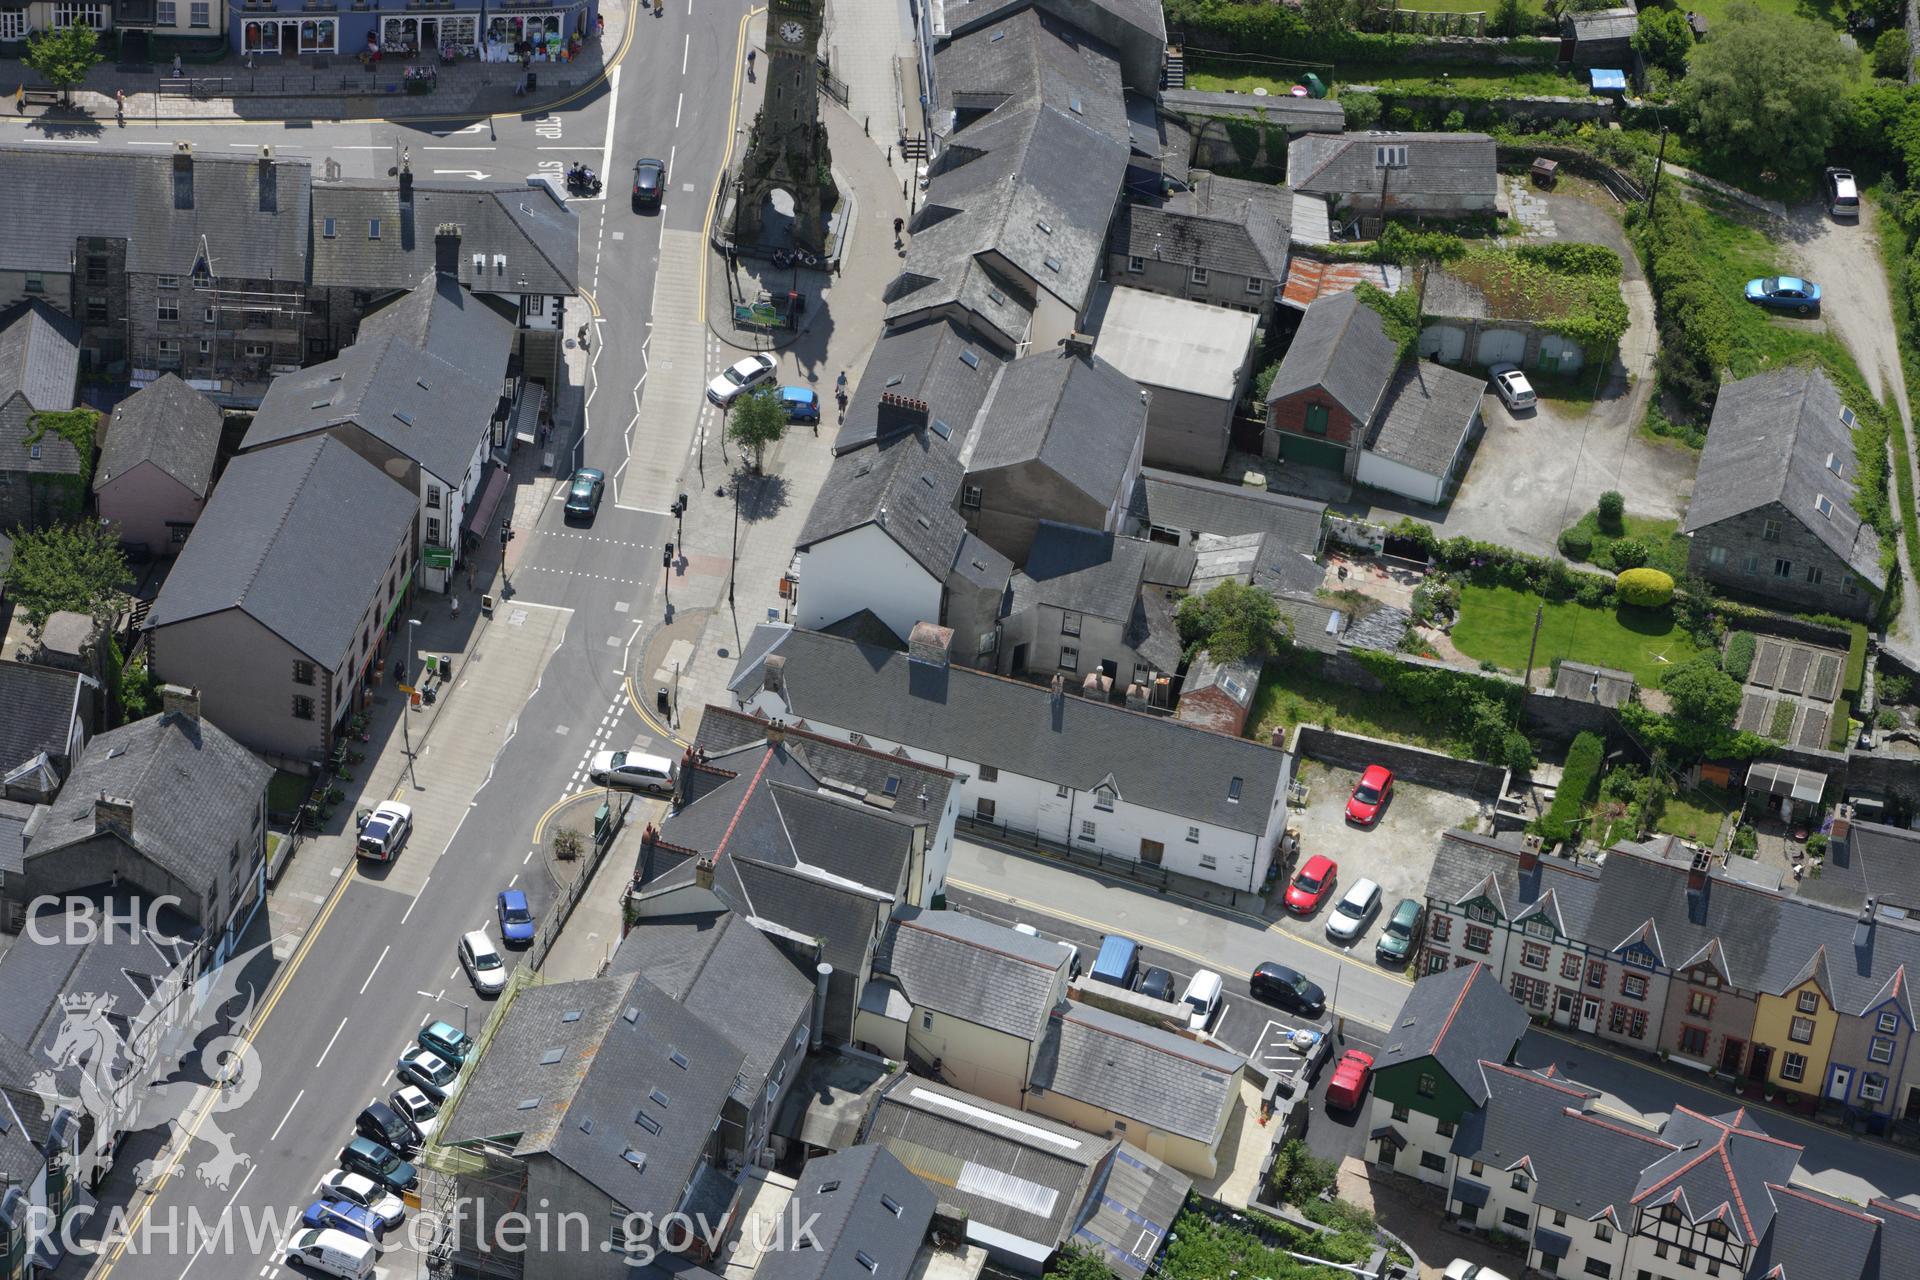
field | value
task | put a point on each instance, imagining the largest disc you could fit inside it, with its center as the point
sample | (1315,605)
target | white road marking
(514,881)
(416,898)
(275,1135)
(678,103)
(606,147)
(329,1049)
(685,50)
(524,861)
(465,148)
(376,964)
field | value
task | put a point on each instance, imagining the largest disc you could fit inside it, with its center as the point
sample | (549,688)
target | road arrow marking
(475,174)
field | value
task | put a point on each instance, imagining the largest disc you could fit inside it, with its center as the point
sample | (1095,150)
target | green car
(446,1040)
(1402,930)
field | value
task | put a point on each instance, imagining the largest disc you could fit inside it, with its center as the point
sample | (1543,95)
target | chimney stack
(446,248)
(930,644)
(269,182)
(1697,871)
(773,674)
(183,175)
(900,413)
(1842,824)
(111,813)
(776,732)
(703,872)
(406,182)
(1059,690)
(822,975)
(1137,698)
(1529,855)
(181,700)
(1078,344)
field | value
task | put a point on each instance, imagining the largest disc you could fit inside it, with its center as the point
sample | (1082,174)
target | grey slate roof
(1438,164)
(1821,1237)
(132,196)
(906,484)
(1154,1077)
(39,356)
(299,536)
(421,406)
(925,362)
(1082,571)
(1193,506)
(1457,1018)
(1873,861)
(14,815)
(1584,682)
(981,718)
(1266,209)
(1076,415)
(166,423)
(194,792)
(1720,1168)
(1426,416)
(973,969)
(441,316)
(1342,348)
(37,710)
(1253,243)
(1603,24)
(859,1231)
(614,1057)
(538,236)
(1770,441)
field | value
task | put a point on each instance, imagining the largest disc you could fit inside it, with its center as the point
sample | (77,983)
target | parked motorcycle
(582,181)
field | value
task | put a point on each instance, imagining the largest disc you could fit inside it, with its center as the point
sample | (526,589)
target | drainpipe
(822,974)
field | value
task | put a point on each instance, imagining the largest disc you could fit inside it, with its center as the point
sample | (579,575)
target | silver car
(1512,387)
(481,959)
(1354,912)
(739,378)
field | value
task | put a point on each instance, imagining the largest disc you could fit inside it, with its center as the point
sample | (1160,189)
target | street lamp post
(733,566)
(406,708)
(460,1005)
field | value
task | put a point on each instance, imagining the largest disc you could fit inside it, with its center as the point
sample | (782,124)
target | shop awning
(526,412)
(492,489)
(1804,785)
(1467,1191)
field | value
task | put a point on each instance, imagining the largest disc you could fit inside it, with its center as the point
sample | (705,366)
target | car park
(378,1162)
(444,1040)
(358,1188)
(432,1074)
(1354,912)
(384,832)
(422,1112)
(739,378)
(583,493)
(1401,932)
(1512,387)
(801,404)
(1311,884)
(485,969)
(516,917)
(1349,1083)
(1276,984)
(1785,293)
(649,182)
(342,1215)
(387,1127)
(1843,194)
(634,771)
(331,1253)
(1156,983)
(1370,795)
(1202,998)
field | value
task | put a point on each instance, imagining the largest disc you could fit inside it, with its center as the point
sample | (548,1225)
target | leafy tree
(1326,17)
(1612,507)
(68,566)
(1078,1262)
(756,421)
(1232,621)
(1362,110)
(65,56)
(1704,701)
(1507,18)
(1664,39)
(1263,382)
(1768,88)
(135,687)
(1891,54)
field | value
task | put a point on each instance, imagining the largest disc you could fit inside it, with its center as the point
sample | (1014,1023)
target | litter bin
(660,701)
(601,817)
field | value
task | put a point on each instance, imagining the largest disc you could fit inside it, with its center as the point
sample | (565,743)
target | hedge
(1648,588)
(1490,564)
(1856,660)
(1578,783)
(1739,657)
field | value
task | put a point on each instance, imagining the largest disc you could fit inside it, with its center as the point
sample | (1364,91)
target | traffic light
(666,556)
(506,533)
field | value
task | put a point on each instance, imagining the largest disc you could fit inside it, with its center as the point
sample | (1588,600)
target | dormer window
(1390,156)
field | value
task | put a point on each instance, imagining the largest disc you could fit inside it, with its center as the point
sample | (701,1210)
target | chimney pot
(176,699)
(703,872)
(113,813)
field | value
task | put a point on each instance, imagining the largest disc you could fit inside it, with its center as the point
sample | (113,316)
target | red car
(1370,795)
(1312,884)
(1349,1083)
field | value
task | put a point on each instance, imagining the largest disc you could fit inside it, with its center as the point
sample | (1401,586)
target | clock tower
(787,150)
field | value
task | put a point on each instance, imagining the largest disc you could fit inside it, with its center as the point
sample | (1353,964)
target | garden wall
(1788,627)
(1475,109)
(1411,764)
(1544,715)
(1896,778)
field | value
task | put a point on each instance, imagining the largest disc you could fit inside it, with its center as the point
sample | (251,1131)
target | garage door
(1497,345)
(1445,342)
(1560,355)
(1309,452)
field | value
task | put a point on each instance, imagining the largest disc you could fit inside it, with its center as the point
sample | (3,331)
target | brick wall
(1290,414)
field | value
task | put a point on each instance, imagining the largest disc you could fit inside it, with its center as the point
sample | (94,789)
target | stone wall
(1788,627)
(1505,109)
(1546,716)
(1412,764)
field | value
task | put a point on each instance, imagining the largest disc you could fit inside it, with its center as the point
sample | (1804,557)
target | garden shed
(1599,37)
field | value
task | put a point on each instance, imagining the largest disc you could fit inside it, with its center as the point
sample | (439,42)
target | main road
(378,960)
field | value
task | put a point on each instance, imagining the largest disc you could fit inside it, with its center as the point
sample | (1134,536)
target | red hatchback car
(1349,1083)
(1370,795)
(1311,885)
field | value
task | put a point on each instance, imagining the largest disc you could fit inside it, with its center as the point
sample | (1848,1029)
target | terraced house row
(1802,988)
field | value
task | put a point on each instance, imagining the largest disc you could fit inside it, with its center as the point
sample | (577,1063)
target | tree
(64,57)
(1664,39)
(1891,54)
(68,566)
(1231,622)
(1326,17)
(1768,88)
(1647,588)
(1701,694)
(756,421)
(1507,18)
(1078,1262)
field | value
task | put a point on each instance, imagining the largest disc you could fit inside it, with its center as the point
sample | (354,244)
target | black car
(1156,982)
(387,1127)
(1277,984)
(649,183)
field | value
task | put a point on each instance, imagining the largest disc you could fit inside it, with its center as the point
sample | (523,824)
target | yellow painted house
(1794,1030)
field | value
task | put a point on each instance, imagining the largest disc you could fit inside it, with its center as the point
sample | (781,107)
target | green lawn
(1496,624)
(1662,538)
(1220,75)
(1293,692)
(286,792)
(1696,815)
(1834,15)
(1732,253)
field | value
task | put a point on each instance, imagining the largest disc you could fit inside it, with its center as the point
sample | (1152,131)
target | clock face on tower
(792,32)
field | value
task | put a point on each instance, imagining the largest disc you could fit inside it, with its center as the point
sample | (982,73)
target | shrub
(1576,543)
(1457,120)
(1739,657)
(1647,588)
(1578,782)
(1887,718)
(1893,688)
(1891,53)
(1593,592)
(1612,507)
(1362,110)
(1628,553)
(1518,752)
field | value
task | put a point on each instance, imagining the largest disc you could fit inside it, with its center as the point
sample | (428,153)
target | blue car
(801,404)
(516,918)
(1785,293)
(341,1215)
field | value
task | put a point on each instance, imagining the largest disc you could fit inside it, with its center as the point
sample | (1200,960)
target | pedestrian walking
(177,72)
(456,606)
(120,107)
(899,225)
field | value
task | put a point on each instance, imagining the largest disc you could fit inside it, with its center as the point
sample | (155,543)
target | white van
(332,1253)
(1202,998)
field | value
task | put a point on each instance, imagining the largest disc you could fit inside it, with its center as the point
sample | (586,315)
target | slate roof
(926,362)
(627,1046)
(1873,861)
(419,405)
(1781,439)
(14,815)
(1438,164)
(905,484)
(870,1215)
(1078,416)
(1721,1168)
(1457,1018)
(1018,727)
(300,537)
(1082,571)
(1264,209)
(1193,505)
(726,971)
(37,710)
(194,792)
(166,423)
(1251,242)
(1147,1075)
(972,969)
(1603,24)
(39,357)
(1821,1237)
(132,196)
(1341,348)
(1426,416)
(1178,343)
(442,317)
(1584,682)
(538,235)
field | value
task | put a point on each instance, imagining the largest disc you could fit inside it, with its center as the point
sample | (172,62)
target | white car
(1512,387)
(1202,998)
(412,1102)
(358,1188)
(1353,913)
(481,959)
(385,831)
(1461,1269)
(636,770)
(739,378)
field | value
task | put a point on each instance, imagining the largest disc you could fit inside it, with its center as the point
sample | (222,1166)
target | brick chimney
(1078,344)
(776,732)
(269,182)
(931,644)
(1529,855)
(446,249)
(703,872)
(183,175)
(406,183)
(1842,823)
(900,413)
(111,813)
(1697,871)
(1059,690)
(1138,698)
(177,698)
